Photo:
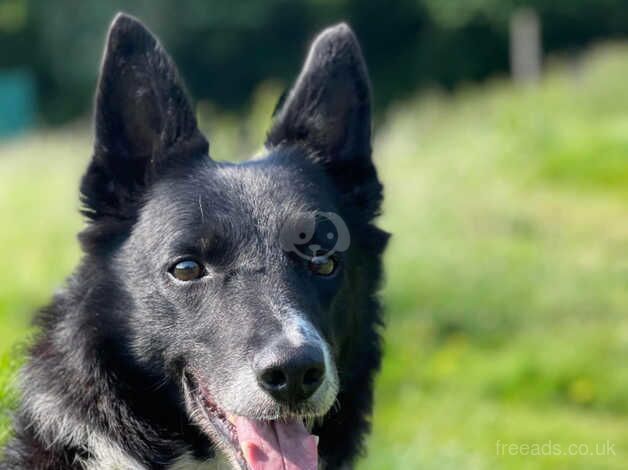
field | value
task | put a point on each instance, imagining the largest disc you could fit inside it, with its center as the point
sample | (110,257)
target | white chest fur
(120,461)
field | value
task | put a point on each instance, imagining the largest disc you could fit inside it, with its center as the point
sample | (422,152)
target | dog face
(236,277)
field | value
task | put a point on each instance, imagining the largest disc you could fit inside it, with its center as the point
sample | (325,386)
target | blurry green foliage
(225,47)
(17,97)
(12,15)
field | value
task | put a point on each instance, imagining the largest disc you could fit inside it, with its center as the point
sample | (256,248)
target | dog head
(240,280)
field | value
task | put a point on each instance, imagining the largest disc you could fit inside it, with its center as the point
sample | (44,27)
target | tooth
(316,439)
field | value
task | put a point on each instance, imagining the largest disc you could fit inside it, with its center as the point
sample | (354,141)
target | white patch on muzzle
(299,331)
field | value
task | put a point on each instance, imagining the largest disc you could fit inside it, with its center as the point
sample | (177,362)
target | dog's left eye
(187,270)
(322,265)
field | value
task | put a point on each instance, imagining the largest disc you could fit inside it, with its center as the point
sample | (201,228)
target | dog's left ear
(143,121)
(329,109)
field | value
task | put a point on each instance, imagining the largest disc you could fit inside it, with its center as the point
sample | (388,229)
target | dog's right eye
(187,270)
(322,265)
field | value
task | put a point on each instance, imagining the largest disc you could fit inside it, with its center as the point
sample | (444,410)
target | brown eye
(187,270)
(322,265)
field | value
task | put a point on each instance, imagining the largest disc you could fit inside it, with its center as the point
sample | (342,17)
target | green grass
(507,276)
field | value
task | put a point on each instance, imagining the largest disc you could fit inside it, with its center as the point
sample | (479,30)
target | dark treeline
(226,47)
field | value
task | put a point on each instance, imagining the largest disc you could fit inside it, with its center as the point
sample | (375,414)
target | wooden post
(525,46)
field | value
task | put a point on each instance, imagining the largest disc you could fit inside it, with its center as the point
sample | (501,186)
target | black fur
(114,344)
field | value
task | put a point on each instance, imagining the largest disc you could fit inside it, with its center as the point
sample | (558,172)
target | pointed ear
(329,109)
(143,120)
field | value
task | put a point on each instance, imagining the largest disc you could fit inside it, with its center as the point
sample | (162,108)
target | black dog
(221,312)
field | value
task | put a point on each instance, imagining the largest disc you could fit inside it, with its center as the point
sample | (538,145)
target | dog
(223,315)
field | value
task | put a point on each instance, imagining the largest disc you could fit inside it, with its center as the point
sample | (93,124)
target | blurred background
(502,141)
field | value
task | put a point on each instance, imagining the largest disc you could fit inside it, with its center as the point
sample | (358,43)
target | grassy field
(507,277)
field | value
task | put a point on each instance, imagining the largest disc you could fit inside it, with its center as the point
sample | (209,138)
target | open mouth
(252,444)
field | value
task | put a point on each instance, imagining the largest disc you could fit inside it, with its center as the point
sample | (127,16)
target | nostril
(313,376)
(274,378)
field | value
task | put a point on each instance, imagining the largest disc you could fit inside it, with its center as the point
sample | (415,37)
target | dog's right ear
(143,121)
(328,108)
(328,112)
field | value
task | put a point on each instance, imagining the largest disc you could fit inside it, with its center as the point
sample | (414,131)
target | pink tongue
(275,445)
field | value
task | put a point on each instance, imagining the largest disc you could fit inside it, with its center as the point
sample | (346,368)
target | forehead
(234,200)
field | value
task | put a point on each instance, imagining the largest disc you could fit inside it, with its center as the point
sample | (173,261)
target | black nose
(290,374)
